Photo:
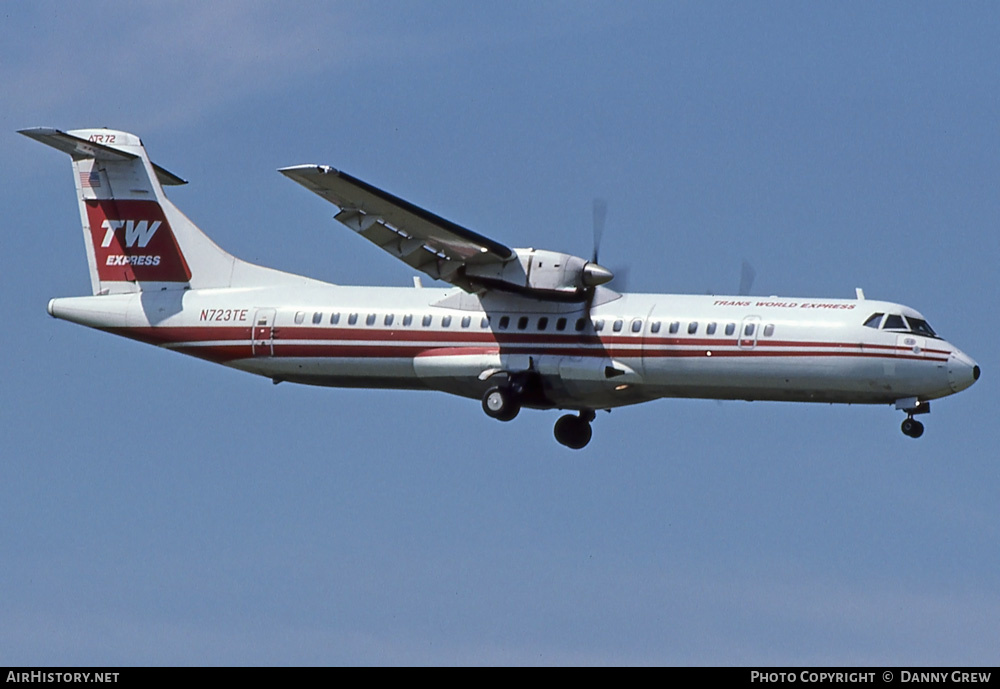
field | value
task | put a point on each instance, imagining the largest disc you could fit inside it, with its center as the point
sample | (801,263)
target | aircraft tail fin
(136,239)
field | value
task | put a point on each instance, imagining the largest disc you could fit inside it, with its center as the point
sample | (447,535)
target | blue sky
(156,509)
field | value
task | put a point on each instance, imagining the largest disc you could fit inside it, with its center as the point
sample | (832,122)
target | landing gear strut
(912,427)
(574,431)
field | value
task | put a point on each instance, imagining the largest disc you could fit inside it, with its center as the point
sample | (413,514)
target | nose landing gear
(912,405)
(574,431)
(912,427)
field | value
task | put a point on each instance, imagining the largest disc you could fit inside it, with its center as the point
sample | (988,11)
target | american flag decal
(90,180)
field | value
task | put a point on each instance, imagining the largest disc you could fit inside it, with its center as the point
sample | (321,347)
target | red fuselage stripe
(227,343)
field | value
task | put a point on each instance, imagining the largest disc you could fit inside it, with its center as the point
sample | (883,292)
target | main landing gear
(503,402)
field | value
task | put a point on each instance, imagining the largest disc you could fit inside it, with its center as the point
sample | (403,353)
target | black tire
(912,428)
(499,403)
(573,432)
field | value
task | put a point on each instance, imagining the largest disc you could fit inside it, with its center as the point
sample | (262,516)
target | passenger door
(749,330)
(262,338)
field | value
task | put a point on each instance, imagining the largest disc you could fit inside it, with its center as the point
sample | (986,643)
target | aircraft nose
(962,370)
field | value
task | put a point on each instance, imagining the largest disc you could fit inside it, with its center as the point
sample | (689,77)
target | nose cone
(962,371)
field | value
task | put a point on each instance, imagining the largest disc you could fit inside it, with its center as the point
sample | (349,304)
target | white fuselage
(631,348)
(518,328)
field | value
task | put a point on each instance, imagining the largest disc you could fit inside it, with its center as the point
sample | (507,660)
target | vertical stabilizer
(136,239)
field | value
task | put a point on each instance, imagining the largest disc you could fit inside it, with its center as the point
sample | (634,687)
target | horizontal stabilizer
(79,149)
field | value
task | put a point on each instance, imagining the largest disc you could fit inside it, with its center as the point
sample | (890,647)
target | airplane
(517,328)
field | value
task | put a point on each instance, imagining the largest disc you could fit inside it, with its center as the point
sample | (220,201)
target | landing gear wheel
(499,403)
(573,431)
(912,428)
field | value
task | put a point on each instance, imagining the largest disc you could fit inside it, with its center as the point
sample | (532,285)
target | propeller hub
(593,275)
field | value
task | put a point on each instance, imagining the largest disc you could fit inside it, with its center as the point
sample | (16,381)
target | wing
(427,242)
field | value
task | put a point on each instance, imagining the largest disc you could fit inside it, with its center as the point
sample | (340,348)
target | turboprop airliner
(517,328)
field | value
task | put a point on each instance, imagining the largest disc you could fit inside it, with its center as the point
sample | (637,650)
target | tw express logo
(133,242)
(137,233)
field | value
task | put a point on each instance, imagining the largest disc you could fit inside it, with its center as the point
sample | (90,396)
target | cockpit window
(894,322)
(920,327)
(874,320)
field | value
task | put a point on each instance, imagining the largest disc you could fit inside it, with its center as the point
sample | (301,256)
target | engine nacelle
(538,270)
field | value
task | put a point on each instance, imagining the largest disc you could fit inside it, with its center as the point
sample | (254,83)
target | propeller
(600,219)
(594,273)
(747,274)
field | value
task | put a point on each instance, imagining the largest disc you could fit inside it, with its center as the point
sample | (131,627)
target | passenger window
(730,328)
(446,322)
(654,327)
(388,319)
(675,327)
(637,325)
(561,324)
(352,319)
(334,318)
(485,323)
(426,321)
(317,318)
(299,317)
(710,329)
(580,324)
(874,320)
(467,321)
(769,330)
(522,322)
(370,320)
(748,330)
(504,322)
(599,325)
(894,322)
(692,327)
(408,320)
(617,327)
(543,323)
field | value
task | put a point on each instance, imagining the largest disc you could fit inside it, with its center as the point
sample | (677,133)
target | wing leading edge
(427,242)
